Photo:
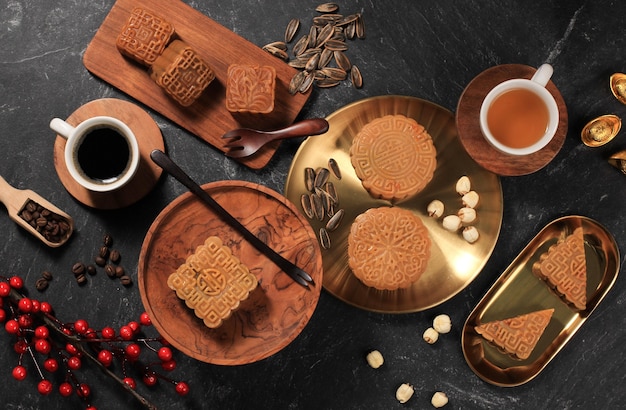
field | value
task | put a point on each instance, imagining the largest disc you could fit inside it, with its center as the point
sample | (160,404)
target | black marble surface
(430,50)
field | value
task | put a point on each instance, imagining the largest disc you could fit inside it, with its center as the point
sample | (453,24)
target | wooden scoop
(16,200)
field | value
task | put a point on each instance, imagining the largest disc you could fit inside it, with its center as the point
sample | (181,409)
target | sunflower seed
(360,27)
(336,45)
(334,222)
(342,60)
(324,238)
(307,82)
(330,189)
(301,45)
(327,8)
(292,28)
(321,177)
(326,83)
(309,179)
(296,82)
(334,73)
(305,201)
(278,44)
(325,58)
(355,77)
(318,206)
(347,20)
(334,168)
(312,37)
(325,34)
(351,30)
(312,63)
(276,52)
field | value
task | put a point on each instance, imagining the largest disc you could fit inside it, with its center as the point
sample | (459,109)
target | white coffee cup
(101,153)
(541,135)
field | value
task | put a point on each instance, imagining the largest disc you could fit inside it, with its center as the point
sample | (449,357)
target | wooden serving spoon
(16,199)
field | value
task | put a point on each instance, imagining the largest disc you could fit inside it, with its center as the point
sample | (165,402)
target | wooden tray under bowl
(219,47)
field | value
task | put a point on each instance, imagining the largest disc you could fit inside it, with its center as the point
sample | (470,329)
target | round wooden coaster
(148,136)
(468,113)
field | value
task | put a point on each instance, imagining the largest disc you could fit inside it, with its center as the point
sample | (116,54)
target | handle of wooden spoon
(304,128)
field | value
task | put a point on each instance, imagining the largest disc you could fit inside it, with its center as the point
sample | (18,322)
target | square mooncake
(144,37)
(250,89)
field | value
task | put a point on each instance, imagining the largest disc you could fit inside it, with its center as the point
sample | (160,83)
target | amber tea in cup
(520,116)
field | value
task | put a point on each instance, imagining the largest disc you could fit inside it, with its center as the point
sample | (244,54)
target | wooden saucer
(148,136)
(468,113)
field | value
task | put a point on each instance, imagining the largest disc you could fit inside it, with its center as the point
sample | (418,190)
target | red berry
(44,387)
(43,346)
(3,315)
(19,373)
(81,326)
(145,320)
(105,357)
(12,326)
(71,349)
(16,282)
(83,390)
(133,351)
(5,289)
(36,306)
(46,307)
(169,365)
(25,305)
(130,382)
(108,333)
(126,332)
(51,365)
(42,332)
(66,389)
(20,347)
(182,388)
(134,326)
(25,321)
(90,407)
(165,354)
(74,363)
(150,379)
(91,334)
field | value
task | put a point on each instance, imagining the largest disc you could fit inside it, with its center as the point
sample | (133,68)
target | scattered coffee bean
(104,252)
(119,271)
(110,270)
(126,280)
(78,268)
(108,240)
(115,256)
(50,225)
(41,284)
(91,270)
(46,275)
(100,261)
(81,279)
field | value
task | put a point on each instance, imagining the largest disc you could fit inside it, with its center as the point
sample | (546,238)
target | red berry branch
(54,346)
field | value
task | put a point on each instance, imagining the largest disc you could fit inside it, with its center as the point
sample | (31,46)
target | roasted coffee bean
(107,240)
(119,271)
(46,275)
(78,268)
(41,284)
(91,270)
(114,256)
(104,252)
(53,227)
(100,261)
(126,280)
(110,270)
(81,279)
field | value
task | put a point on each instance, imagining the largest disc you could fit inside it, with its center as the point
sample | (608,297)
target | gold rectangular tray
(519,291)
(208,117)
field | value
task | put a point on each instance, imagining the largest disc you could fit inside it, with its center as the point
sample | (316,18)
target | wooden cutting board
(219,47)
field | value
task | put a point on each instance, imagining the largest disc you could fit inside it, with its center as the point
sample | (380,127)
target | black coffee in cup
(103,154)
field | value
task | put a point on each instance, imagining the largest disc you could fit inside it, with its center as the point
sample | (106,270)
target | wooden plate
(454,263)
(518,291)
(208,117)
(273,315)
(149,138)
(468,113)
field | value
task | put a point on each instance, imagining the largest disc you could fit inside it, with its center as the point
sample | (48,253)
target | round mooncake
(394,157)
(388,248)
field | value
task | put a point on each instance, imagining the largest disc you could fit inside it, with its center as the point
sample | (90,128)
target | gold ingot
(601,130)
(618,86)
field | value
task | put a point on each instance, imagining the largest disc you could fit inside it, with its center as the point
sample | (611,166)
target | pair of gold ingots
(604,128)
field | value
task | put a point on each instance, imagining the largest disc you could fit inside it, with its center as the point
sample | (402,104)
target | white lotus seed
(430,336)
(452,223)
(467,215)
(463,185)
(442,323)
(470,199)
(375,359)
(435,208)
(470,234)
(404,392)
(439,400)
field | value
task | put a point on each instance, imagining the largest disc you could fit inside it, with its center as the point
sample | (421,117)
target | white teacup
(520,116)
(101,153)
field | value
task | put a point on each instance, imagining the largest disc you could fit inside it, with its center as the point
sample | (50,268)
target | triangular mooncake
(564,267)
(518,335)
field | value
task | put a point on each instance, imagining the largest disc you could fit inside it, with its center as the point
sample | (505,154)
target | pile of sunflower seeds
(321,53)
(321,201)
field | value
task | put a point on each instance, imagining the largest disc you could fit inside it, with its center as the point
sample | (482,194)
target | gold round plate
(454,263)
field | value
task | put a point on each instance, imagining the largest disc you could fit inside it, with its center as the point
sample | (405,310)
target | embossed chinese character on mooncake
(394,157)
(144,37)
(564,267)
(212,282)
(519,335)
